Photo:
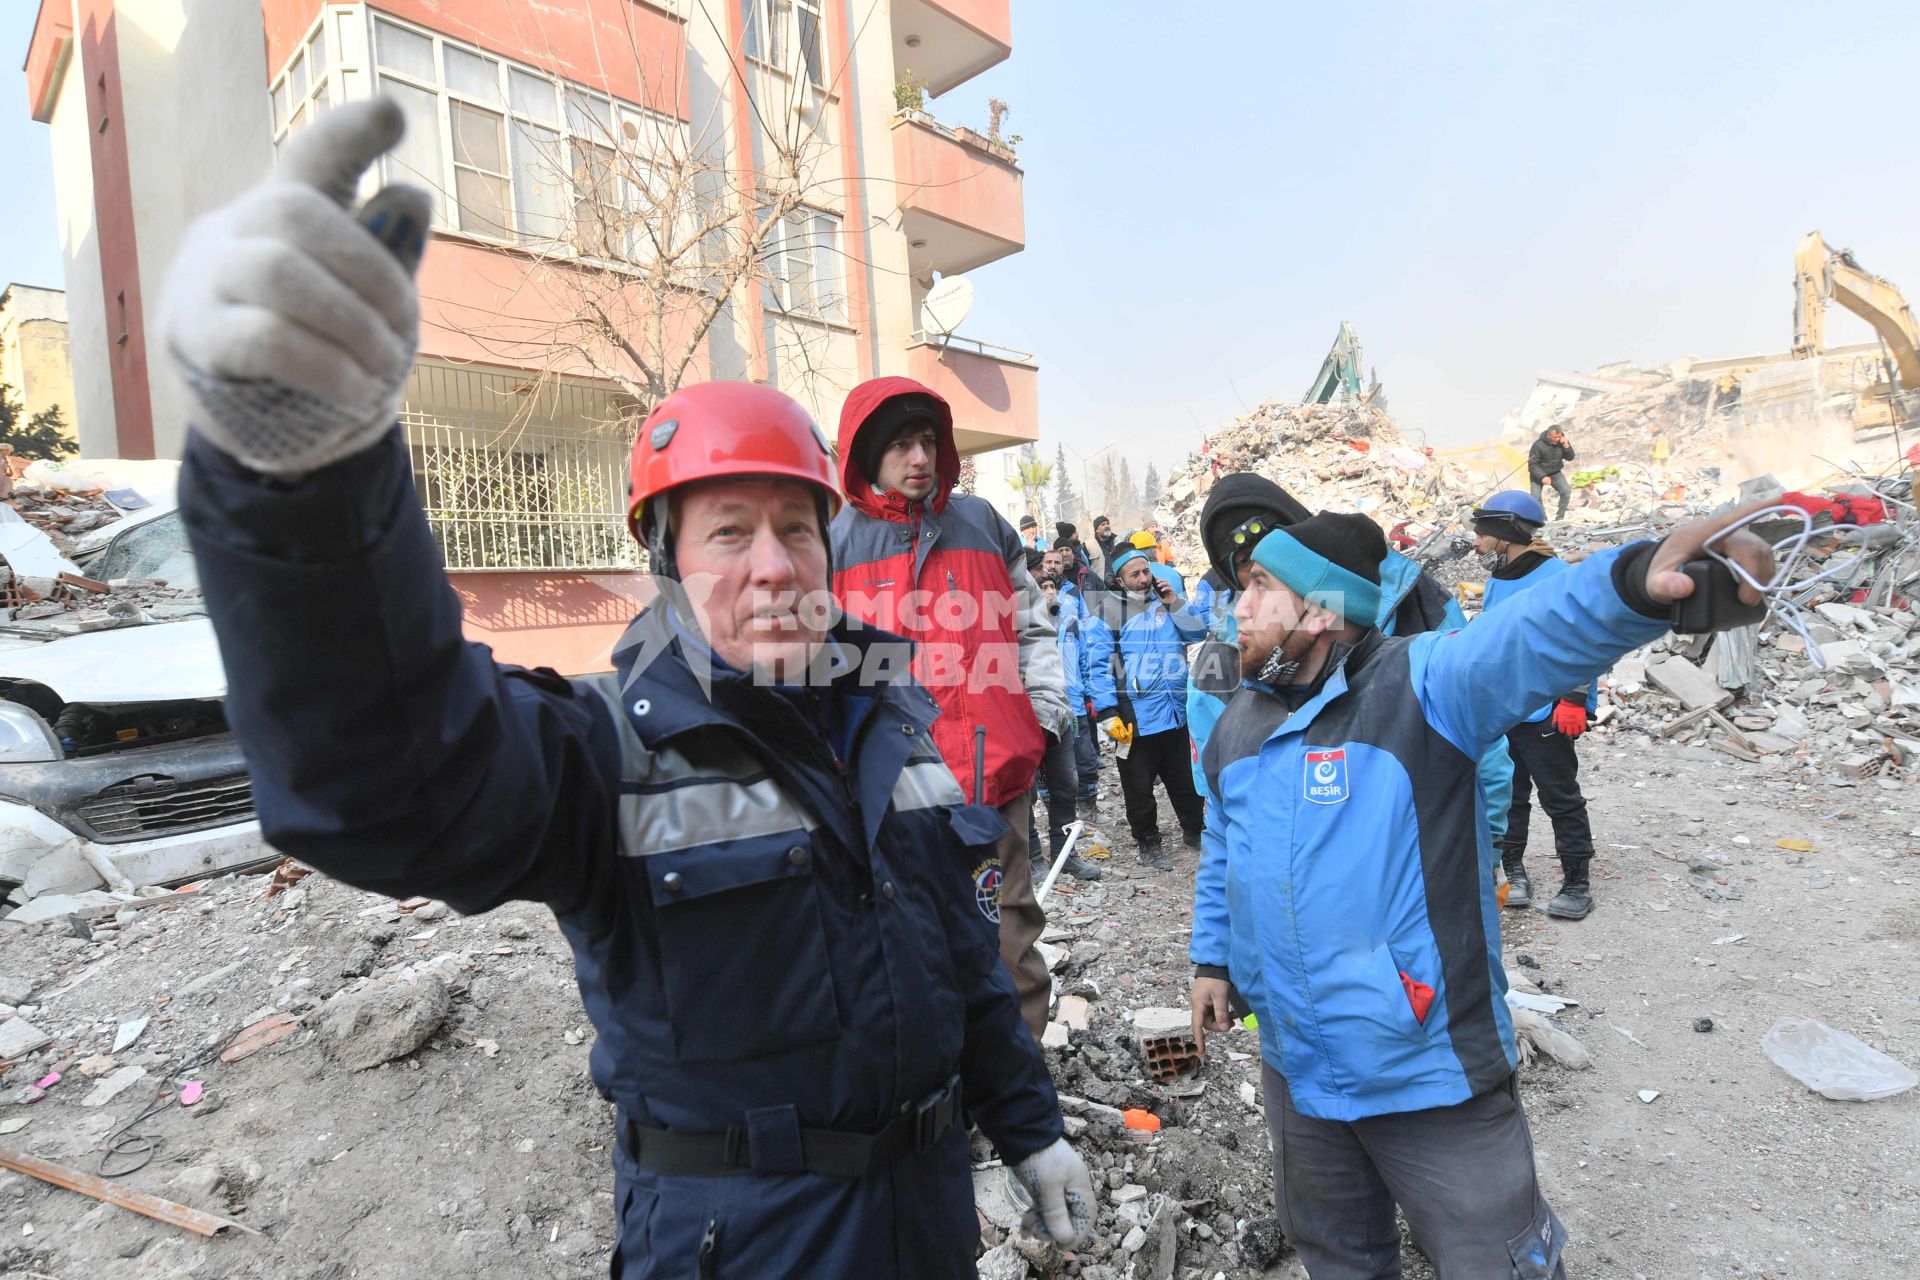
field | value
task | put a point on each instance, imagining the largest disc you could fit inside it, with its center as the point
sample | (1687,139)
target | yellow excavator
(1821,274)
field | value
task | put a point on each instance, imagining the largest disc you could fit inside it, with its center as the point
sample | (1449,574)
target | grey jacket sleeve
(1041,673)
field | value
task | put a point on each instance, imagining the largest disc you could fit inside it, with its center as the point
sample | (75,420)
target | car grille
(144,808)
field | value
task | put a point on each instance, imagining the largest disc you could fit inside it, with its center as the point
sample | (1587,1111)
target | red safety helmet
(714,429)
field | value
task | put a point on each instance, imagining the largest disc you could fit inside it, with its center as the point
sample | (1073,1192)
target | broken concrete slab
(15,989)
(51,906)
(385,1020)
(113,1085)
(1075,1012)
(1694,687)
(18,1038)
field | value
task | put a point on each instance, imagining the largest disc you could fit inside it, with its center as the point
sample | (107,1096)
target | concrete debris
(384,1020)
(18,1038)
(15,989)
(113,1084)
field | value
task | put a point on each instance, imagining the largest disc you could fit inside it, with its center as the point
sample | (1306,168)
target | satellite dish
(946,306)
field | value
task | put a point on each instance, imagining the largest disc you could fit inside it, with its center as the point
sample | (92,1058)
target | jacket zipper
(709,1248)
(953,586)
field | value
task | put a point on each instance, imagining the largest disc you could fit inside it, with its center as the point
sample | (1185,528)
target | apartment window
(302,93)
(522,155)
(771,30)
(515,473)
(807,15)
(804,269)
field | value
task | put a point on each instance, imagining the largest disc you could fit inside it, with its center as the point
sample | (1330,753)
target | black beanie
(1235,499)
(1064,532)
(1028,522)
(888,419)
(1100,520)
(1034,560)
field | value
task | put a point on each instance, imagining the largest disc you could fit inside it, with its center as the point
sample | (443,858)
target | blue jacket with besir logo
(1068,623)
(1344,882)
(1543,569)
(1145,644)
(1399,576)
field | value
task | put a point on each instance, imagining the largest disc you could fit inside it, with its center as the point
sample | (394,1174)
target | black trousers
(1543,757)
(1058,770)
(1086,753)
(1167,756)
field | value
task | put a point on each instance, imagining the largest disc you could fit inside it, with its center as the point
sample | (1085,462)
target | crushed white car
(117,770)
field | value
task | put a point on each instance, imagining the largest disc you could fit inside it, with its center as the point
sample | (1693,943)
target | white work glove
(1062,1190)
(292,317)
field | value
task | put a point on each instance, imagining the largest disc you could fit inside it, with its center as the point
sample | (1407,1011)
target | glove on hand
(1570,718)
(1117,729)
(1062,1190)
(294,319)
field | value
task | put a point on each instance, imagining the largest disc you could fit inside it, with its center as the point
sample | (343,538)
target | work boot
(1080,869)
(1154,858)
(1575,899)
(1519,888)
(1191,839)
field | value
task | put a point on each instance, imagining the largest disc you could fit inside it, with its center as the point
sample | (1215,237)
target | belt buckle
(933,1114)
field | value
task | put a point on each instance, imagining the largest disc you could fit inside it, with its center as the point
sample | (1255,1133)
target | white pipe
(1059,863)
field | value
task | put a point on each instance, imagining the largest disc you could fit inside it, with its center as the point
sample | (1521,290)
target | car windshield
(156,549)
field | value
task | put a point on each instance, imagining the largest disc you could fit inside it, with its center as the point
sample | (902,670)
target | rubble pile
(1757,697)
(1348,456)
(60,514)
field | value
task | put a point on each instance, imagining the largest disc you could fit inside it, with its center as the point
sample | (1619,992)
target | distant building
(33,351)
(533,126)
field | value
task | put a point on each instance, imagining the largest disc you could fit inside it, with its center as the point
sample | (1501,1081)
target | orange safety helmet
(713,429)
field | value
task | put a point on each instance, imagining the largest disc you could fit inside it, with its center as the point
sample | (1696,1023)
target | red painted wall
(569,622)
(52,37)
(987,395)
(626,48)
(496,306)
(991,18)
(99,50)
(962,184)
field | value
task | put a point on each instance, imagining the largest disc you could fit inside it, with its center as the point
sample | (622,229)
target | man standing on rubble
(1137,640)
(1547,463)
(1345,890)
(756,855)
(1507,529)
(946,570)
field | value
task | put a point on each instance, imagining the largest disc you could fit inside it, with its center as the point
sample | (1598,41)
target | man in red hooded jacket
(946,570)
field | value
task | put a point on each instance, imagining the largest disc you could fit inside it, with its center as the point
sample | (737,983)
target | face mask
(1278,669)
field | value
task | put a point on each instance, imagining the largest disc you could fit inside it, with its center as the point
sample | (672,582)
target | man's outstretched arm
(383,748)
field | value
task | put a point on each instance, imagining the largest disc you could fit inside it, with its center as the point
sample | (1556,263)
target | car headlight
(25,738)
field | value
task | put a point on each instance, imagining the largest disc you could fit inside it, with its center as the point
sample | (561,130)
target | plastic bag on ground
(1833,1063)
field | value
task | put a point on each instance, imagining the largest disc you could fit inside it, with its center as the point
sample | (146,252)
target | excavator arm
(1340,370)
(1820,274)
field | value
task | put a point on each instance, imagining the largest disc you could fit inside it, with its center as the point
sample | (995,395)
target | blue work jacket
(1137,660)
(1345,884)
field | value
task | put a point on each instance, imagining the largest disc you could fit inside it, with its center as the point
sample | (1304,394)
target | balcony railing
(961,195)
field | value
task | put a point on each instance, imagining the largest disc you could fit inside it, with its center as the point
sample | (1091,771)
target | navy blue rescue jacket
(780,907)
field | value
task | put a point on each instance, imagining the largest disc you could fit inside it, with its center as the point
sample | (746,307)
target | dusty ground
(483,1154)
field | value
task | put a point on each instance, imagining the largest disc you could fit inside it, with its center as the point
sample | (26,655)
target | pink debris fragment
(52,1079)
(190,1092)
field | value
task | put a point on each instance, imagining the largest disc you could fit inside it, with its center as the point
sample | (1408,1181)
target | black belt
(828,1151)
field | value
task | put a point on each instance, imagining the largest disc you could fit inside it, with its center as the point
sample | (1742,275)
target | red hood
(860,406)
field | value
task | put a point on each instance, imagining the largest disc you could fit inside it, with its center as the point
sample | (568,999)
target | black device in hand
(1715,604)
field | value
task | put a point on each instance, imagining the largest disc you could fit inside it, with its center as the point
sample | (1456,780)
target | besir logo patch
(1326,775)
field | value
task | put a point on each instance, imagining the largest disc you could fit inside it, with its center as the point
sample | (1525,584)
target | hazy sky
(1483,189)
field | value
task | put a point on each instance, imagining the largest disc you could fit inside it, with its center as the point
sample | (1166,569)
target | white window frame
(800,232)
(289,116)
(772,33)
(603,114)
